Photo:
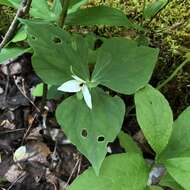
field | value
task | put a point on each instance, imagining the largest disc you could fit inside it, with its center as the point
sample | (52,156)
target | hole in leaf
(101,139)
(57,40)
(33,37)
(84,133)
(98,43)
(41,131)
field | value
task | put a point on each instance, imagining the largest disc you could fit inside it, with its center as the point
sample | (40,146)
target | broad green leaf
(154,116)
(118,172)
(55,53)
(38,90)
(75,5)
(154,188)
(179,143)
(99,15)
(127,142)
(12,53)
(153,8)
(57,7)
(5,2)
(179,169)
(168,181)
(15,3)
(124,66)
(53,93)
(39,9)
(20,35)
(92,130)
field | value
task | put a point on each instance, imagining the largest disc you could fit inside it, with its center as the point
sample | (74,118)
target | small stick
(23,10)
(23,92)
(72,172)
(28,129)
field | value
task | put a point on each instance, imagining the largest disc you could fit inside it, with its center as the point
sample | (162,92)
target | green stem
(44,97)
(65,6)
(144,6)
(173,74)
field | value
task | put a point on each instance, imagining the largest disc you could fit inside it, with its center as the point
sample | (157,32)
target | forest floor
(23,122)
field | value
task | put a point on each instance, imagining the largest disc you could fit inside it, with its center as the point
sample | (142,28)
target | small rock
(1,90)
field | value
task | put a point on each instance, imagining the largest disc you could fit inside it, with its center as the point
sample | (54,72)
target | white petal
(87,96)
(78,78)
(70,86)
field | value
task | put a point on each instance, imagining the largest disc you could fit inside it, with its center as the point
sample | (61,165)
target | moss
(169,31)
(6,16)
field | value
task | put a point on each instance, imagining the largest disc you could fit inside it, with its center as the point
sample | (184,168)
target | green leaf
(118,172)
(91,130)
(155,188)
(168,181)
(179,143)
(99,15)
(75,5)
(179,169)
(39,9)
(57,7)
(124,66)
(20,35)
(38,91)
(153,8)
(15,3)
(5,2)
(53,93)
(55,53)
(127,142)
(12,53)
(154,116)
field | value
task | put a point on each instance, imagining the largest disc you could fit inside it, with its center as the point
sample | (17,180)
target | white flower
(77,85)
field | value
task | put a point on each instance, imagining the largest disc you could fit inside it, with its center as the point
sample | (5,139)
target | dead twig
(21,177)
(23,92)
(21,12)
(77,165)
(29,128)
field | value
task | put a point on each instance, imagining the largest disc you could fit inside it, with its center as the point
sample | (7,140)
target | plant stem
(173,74)
(144,6)
(65,6)
(44,97)
(22,11)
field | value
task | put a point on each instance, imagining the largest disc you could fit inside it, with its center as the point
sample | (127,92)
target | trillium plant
(99,76)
